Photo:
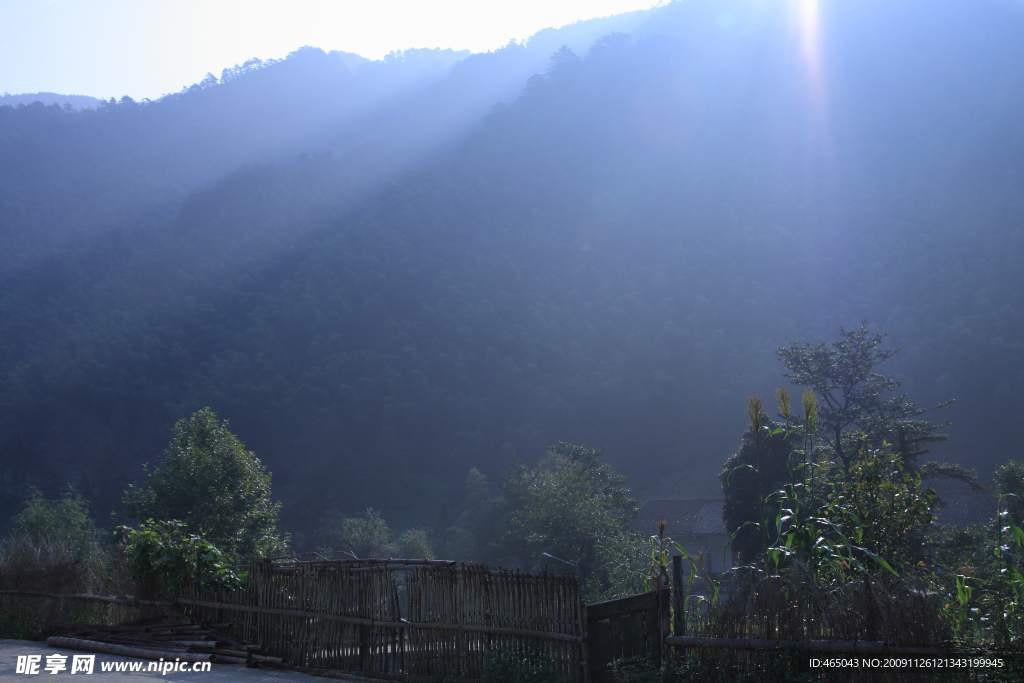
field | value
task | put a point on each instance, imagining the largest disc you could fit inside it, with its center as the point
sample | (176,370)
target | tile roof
(963,508)
(682,517)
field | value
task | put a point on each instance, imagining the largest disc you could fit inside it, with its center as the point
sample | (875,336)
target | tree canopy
(853,400)
(208,481)
(571,506)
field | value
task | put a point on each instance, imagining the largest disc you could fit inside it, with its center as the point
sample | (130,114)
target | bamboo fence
(430,618)
(25,612)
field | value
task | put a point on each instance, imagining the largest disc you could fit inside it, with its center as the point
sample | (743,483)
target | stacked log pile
(161,638)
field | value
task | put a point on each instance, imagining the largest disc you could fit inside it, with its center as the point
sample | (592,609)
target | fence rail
(402,616)
(442,620)
(85,596)
(859,647)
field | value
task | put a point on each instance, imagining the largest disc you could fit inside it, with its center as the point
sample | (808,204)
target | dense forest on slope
(610,258)
(67,176)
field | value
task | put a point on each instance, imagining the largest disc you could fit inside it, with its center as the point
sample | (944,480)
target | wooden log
(110,649)
(228,639)
(145,644)
(197,637)
(145,621)
(199,644)
(71,626)
(265,658)
(176,631)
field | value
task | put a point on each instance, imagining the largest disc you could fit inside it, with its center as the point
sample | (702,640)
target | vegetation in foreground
(837,535)
(835,529)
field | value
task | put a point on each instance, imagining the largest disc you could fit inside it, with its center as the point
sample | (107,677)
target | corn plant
(1009,620)
(659,574)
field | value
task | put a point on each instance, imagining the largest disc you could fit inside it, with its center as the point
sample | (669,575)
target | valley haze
(387,272)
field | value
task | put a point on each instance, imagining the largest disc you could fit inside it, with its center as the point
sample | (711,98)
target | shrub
(166,554)
(526,666)
(64,523)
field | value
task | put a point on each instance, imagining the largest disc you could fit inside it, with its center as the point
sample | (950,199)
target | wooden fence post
(584,628)
(664,622)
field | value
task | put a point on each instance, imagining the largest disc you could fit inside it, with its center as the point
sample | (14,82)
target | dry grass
(787,608)
(51,566)
(43,565)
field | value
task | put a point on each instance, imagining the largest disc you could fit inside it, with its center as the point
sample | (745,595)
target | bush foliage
(166,555)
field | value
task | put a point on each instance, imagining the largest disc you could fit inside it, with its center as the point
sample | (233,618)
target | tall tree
(571,506)
(852,396)
(208,480)
(478,531)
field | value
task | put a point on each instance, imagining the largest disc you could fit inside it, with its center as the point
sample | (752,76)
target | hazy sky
(145,48)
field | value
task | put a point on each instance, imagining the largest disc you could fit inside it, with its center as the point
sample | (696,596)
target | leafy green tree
(852,396)
(571,506)
(361,538)
(65,521)
(479,530)
(415,544)
(370,537)
(209,482)
(882,507)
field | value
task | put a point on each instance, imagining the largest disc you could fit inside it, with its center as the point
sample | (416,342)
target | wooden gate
(633,626)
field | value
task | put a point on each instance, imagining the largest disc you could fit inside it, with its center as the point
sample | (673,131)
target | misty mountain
(69,174)
(48,98)
(610,256)
(66,176)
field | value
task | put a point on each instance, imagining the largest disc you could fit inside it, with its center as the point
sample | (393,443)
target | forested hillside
(610,257)
(66,177)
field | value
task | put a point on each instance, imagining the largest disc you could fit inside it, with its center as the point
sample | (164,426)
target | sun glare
(810,47)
